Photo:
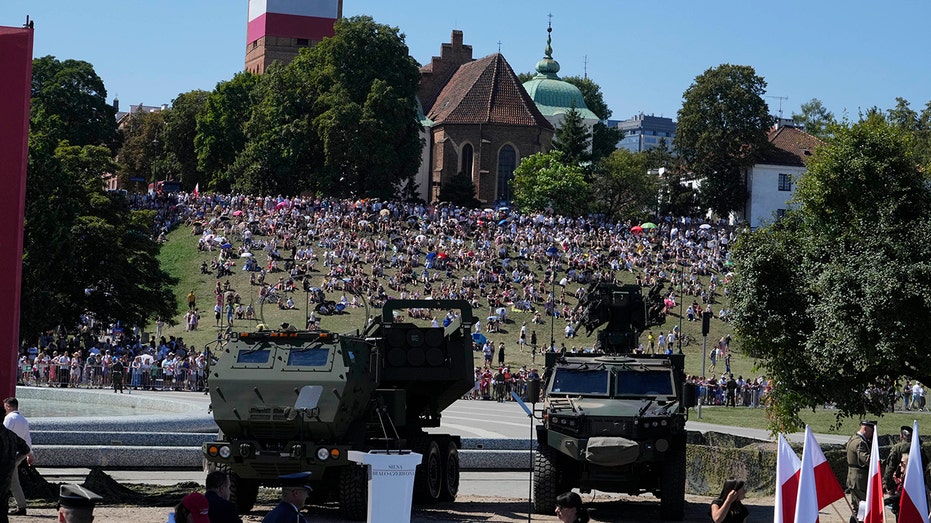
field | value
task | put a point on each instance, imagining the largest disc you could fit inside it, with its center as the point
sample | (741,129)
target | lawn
(181,258)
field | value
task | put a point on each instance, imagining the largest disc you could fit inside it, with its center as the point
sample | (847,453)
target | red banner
(15,84)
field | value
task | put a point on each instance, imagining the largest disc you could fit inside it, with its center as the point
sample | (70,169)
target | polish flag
(787,473)
(196,191)
(829,489)
(806,508)
(913,505)
(875,513)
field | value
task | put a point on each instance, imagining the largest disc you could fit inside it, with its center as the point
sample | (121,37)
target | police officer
(294,490)
(858,463)
(76,504)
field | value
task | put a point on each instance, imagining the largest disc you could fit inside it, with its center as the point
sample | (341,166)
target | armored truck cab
(292,400)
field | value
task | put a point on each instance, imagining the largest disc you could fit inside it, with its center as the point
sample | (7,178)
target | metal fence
(101,377)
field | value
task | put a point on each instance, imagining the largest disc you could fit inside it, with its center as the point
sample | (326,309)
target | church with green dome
(552,96)
(480,121)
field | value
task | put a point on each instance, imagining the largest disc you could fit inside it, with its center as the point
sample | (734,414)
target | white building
(771,182)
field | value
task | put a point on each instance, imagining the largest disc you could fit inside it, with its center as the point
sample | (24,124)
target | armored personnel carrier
(296,400)
(614,420)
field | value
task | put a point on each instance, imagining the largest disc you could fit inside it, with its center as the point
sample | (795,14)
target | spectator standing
(11,448)
(218,497)
(20,426)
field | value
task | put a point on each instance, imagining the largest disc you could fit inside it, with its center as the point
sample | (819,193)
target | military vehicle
(614,420)
(292,400)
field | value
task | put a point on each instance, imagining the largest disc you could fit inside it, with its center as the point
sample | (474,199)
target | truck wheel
(353,492)
(672,486)
(545,479)
(243,492)
(428,481)
(450,473)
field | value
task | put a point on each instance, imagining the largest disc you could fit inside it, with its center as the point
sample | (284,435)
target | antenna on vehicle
(533,394)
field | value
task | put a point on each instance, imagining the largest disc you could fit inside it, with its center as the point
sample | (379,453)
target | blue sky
(850,54)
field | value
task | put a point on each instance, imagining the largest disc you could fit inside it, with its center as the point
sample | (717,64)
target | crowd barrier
(101,377)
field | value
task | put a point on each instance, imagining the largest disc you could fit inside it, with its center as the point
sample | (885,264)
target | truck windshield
(644,383)
(569,381)
(253,357)
(316,357)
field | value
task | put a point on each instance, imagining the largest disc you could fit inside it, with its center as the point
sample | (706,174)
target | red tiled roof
(486,91)
(791,146)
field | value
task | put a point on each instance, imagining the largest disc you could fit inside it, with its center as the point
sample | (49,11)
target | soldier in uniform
(858,463)
(76,504)
(895,455)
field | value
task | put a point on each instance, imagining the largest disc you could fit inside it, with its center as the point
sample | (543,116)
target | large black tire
(243,493)
(546,479)
(450,487)
(672,485)
(353,492)
(428,481)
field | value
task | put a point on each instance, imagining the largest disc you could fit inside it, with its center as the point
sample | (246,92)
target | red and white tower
(278,29)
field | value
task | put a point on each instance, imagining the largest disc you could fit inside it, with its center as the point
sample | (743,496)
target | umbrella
(246,255)
(237,213)
(648,225)
(479,338)
(636,229)
(226,246)
(442,255)
(704,226)
(384,212)
(283,205)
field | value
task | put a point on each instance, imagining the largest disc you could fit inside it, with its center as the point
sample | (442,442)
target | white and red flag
(913,505)
(875,512)
(829,489)
(196,190)
(806,507)
(787,474)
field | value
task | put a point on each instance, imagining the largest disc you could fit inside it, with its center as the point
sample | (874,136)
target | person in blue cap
(294,491)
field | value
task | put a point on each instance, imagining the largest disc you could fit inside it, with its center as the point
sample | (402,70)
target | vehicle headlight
(323,454)
(225,452)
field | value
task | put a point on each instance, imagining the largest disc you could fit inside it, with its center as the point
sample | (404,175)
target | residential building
(771,182)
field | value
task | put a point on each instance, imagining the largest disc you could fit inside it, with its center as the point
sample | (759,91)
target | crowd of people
(361,252)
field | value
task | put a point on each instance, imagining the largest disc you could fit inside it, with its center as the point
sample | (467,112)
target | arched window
(507,162)
(465,161)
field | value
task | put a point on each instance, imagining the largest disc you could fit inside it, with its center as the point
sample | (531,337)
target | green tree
(221,128)
(366,113)
(142,147)
(816,118)
(722,131)
(83,249)
(69,102)
(573,139)
(459,190)
(833,299)
(546,181)
(903,116)
(180,156)
(624,186)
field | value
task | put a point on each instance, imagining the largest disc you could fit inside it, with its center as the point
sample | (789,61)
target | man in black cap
(76,504)
(858,463)
(895,454)
(294,490)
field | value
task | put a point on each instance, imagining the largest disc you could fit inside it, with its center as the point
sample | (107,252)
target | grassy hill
(181,258)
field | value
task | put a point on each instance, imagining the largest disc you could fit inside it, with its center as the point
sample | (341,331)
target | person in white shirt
(20,426)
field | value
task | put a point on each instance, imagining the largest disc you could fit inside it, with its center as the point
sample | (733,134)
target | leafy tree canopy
(459,190)
(721,131)
(220,128)
(69,102)
(816,118)
(546,181)
(624,186)
(833,299)
(178,138)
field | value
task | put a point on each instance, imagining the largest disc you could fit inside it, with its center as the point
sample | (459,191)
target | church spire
(548,67)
